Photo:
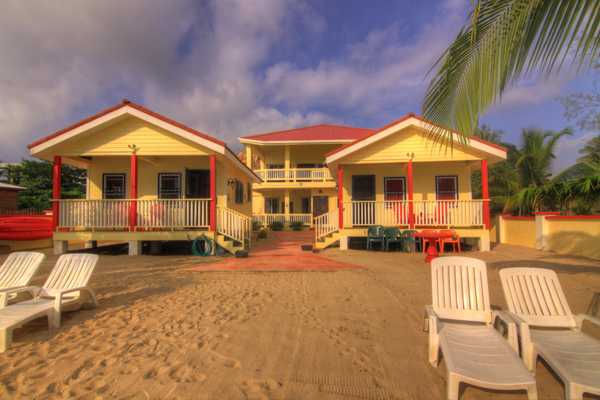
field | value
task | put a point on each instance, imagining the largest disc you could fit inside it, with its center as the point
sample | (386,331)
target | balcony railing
(114,214)
(295,175)
(286,219)
(450,213)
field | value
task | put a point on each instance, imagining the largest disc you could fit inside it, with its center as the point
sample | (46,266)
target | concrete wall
(519,231)
(572,235)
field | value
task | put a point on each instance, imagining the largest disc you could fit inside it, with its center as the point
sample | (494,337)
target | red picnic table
(432,237)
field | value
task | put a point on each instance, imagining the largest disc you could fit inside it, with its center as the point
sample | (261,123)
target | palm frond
(505,40)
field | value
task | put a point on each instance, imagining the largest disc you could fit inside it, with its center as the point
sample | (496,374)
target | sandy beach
(165,329)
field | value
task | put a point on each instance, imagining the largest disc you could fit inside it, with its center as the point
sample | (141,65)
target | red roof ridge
(124,103)
(265,134)
(419,117)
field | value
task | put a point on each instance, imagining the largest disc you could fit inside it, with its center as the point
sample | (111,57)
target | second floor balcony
(300,176)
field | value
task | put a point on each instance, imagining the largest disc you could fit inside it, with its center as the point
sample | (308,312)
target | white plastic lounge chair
(460,323)
(64,289)
(548,329)
(17,271)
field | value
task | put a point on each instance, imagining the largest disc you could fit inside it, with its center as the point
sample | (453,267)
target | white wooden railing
(94,214)
(173,213)
(114,214)
(286,219)
(455,213)
(295,175)
(234,225)
(326,223)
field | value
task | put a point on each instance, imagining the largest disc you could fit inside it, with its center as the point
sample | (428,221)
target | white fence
(114,214)
(294,175)
(454,213)
(286,219)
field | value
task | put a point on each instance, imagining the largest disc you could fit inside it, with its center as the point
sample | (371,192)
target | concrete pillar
(60,247)
(343,242)
(484,241)
(91,244)
(501,229)
(542,229)
(135,247)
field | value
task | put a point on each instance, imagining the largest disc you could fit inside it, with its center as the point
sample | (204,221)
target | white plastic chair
(460,323)
(65,288)
(547,328)
(17,271)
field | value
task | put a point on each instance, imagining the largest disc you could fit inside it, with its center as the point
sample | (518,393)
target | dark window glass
(271,205)
(169,186)
(249,191)
(363,187)
(446,187)
(113,186)
(239,192)
(394,188)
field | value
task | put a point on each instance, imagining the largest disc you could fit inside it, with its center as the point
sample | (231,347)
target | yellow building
(296,183)
(149,178)
(395,176)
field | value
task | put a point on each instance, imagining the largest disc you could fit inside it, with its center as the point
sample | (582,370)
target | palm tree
(590,153)
(503,41)
(534,160)
(532,164)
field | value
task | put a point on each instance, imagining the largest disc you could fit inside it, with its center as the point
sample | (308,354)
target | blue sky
(232,68)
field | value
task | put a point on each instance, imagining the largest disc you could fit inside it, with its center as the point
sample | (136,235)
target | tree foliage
(36,177)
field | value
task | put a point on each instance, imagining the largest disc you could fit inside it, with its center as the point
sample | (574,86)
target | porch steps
(229,245)
(327,241)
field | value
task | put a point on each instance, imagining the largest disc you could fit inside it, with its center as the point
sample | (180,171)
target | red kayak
(30,227)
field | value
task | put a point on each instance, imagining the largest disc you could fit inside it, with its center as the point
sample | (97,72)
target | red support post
(410,184)
(212,160)
(340,188)
(133,191)
(56,183)
(485,194)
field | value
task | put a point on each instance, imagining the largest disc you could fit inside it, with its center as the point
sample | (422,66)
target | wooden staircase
(326,230)
(327,241)
(234,230)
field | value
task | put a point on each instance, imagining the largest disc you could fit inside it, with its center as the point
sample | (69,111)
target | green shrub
(276,226)
(262,234)
(256,226)
(297,225)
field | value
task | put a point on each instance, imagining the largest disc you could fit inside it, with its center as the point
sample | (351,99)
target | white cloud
(205,64)
(531,92)
(374,72)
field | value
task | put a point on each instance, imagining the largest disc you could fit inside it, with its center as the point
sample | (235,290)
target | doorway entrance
(320,205)
(363,189)
(197,184)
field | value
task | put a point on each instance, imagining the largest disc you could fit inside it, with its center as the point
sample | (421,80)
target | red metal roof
(322,132)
